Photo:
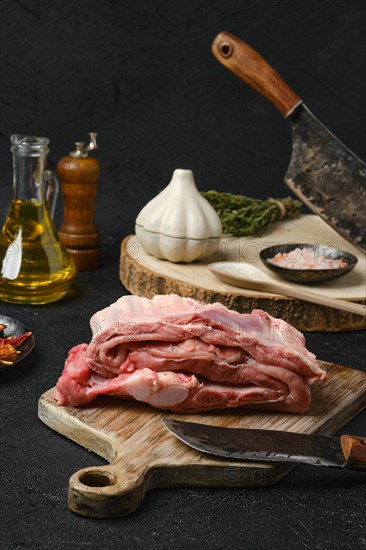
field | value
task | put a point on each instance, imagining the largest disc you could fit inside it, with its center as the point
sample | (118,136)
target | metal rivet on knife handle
(225,49)
(247,64)
(354,450)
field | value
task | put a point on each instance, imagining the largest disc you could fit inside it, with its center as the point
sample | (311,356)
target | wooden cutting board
(145,275)
(143,455)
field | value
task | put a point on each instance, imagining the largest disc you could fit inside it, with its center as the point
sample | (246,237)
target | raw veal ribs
(182,355)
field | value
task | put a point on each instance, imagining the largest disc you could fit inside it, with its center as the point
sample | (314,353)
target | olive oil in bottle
(35,266)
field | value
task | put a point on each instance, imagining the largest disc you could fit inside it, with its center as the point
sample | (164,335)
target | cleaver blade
(346,451)
(328,177)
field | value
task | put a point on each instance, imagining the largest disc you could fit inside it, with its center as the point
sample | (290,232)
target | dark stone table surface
(140,73)
(310,508)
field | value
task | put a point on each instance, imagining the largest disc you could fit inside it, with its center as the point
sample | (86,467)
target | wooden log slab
(145,275)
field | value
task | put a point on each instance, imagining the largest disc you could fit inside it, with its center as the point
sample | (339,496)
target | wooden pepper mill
(79,175)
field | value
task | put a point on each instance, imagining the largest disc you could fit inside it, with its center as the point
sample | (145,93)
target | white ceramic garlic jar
(179,225)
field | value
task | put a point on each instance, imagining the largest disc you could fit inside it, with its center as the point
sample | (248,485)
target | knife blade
(346,451)
(328,177)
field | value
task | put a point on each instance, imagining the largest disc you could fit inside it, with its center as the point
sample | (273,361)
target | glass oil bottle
(35,266)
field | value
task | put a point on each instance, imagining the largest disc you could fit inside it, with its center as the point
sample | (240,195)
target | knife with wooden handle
(347,451)
(324,173)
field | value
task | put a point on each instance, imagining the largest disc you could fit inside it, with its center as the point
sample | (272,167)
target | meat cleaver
(346,451)
(323,173)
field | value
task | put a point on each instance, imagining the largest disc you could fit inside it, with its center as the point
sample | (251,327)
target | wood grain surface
(249,65)
(143,455)
(79,233)
(145,275)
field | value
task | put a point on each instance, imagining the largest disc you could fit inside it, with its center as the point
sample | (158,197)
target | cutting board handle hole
(97,478)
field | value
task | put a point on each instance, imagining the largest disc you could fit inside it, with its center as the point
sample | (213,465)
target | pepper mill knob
(83,152)
(79,175)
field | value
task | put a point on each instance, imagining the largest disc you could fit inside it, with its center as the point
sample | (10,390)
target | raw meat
(182,355)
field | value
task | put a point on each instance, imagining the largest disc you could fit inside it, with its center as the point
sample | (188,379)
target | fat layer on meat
(179,354)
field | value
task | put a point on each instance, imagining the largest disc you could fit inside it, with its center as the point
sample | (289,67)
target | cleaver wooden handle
(248,65)
(354,450)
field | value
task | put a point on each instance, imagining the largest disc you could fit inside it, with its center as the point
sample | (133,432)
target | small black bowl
(15,328)
(309,276)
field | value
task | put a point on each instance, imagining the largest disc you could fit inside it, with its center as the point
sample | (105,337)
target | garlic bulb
(179,225)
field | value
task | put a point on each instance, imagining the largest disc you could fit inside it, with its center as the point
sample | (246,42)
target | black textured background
(140,73)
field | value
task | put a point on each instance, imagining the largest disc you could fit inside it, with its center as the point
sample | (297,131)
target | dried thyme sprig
(242,216)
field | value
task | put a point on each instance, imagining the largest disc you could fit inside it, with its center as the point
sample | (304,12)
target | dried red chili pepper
(8,353)
(15,341)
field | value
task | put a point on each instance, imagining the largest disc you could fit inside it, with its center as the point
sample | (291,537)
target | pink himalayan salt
(305,258)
